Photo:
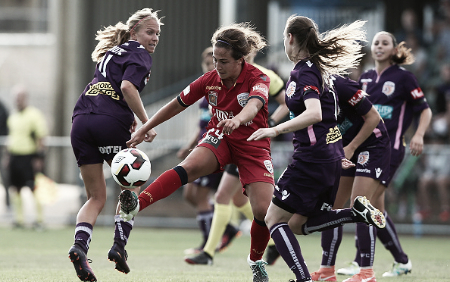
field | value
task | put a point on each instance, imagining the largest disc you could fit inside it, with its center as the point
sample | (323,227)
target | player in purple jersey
(397,96)
(197,193)
(103,120)
(367,144)
(304,194)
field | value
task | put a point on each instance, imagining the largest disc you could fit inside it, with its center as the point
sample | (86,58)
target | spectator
(3,133)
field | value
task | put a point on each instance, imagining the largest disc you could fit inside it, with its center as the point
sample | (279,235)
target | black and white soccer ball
(131,168)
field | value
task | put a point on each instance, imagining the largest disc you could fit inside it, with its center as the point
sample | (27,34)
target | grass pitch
(157,255)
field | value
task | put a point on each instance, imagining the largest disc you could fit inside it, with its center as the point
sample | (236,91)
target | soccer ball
(131,168)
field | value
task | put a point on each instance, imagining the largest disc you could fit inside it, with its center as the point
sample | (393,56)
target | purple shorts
(308,188)
(96,138)
(211,180)
(372,161)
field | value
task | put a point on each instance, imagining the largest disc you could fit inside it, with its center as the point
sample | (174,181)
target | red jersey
(227,103)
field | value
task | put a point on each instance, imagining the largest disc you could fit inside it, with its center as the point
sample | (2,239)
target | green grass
(157,255)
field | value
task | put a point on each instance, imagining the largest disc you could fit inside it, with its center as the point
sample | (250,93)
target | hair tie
(310,28)
(139,22)
(223,41)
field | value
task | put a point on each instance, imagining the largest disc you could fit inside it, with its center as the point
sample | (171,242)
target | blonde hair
(333,52)
(403,55)
(241,38)
(111,36)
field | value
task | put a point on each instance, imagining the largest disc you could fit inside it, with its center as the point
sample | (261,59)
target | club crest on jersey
(242,99)
(269,166)
(291,89)
(388,88)
(363,158)
(212,98)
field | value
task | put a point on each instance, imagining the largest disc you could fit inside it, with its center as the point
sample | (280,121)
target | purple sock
(388,236)
(122,231)
(358,253)
(331,239)
(327,220)
(289,249)
(204,220)
(367,236)
(83,235)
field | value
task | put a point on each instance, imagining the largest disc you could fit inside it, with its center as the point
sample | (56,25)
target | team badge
(269,166)
(212,98)
(363,158)
(388,88)
(242,99)
(291,89)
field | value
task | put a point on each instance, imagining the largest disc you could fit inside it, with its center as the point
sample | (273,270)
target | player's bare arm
(247,114)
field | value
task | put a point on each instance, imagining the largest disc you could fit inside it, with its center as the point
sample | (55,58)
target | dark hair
(333,52)
(240,38)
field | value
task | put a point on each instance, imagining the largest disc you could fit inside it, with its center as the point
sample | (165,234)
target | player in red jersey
(238,95)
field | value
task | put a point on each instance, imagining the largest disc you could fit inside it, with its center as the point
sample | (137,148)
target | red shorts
(254,163)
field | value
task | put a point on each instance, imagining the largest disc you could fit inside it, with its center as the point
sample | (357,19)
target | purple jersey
(322,141)
(397,96)
(205,116)
(353,105)
(129,61)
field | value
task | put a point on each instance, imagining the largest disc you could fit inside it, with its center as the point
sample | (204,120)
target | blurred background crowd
(45,46)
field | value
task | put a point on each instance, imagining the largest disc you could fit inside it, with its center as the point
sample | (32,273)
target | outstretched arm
(170,110)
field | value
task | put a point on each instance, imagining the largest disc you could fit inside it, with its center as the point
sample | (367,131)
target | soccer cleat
(201,258)
(399,269)
(228,237)
(367,213)
(258,269)
(272,254)
(351,270)
(81,264)
(119,258)
(365,275)
(324,274)
(129,205)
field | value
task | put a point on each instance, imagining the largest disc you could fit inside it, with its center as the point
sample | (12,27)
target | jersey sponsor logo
(103,88)
(218,88)
(261,88)
(213,137)
(109,149)
(242,99)
(378,172)
(345,125)
(117,50)
(268,165)
(334,135)
(284,195)
(310,87)
(326,207)
(385,111)
(212,98)
(364,82)
(417,93)
(359,95)
(388,88)
(291,89)
(363,158)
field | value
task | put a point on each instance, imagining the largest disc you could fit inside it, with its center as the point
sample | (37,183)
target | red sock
(259,238)
(163,186)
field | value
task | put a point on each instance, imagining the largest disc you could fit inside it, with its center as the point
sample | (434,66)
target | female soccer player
(238,94)
(367,144)
(306,190)
(397,96)
(103,120)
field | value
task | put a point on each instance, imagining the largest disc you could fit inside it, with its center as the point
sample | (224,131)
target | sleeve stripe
(258,97)
(181,102)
